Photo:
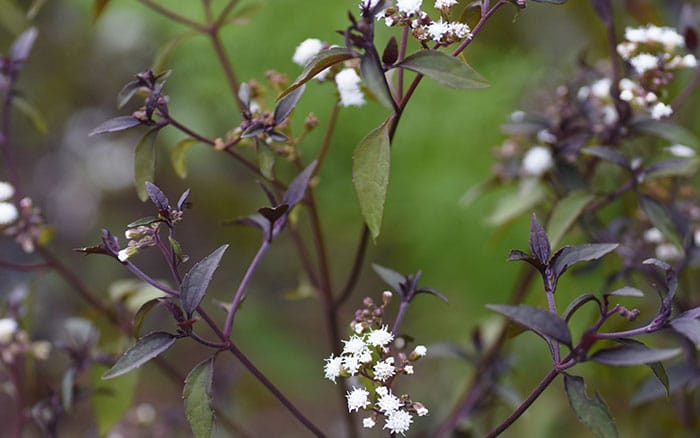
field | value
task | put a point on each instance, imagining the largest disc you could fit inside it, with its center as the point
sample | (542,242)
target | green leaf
(145,162)
(32,113)
(565,214)
(177,157)
(662,218)
(516,203)
(570,255)
(194,285)
(666,130)
(144,350)
(197,396)
(374,78)
(266,158)
(317,64)
(370,175)
(445,69)
(144,221)
(141,314)
(592,412)
(538,320)
(111,399)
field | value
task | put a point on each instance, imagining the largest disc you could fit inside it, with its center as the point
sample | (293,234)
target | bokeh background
(442,148)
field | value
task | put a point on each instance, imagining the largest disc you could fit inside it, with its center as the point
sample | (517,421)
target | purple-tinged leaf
(157,196)
(592,412)
(198,398)
(391,51)
(317,64)
(660,372)
(127,92)
(116,124)
(669,168)
(145,349)
(565,214)
(174,310)
(183,199)
(667,130)
(604,10)
(272,214)
(539,243)
(19,52)
(691,313)
(633,354)
(570,255)
(517,255)
(194,285)
(608,154)
(671,280)
(689,328)
(140,315)
(432,291)
(680,376)
(375,80)
(253,130)
(390,277)
(539,320)
(626,292)
(145,162)
(446,70)
(286,105)
(297,188)
(277,136)
(664,218)
(577,303)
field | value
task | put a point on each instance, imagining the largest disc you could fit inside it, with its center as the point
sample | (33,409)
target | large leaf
(592,412)
(565,214)
(374,78)
(662,217)
(177,157)
(666,130)
(538,320)
(633,354)
(679,375)
(445,69)
(570,255)
(145,162)
(194,285)
(370,176)
(116,124)
(688,327)
(144,350)
(198,400)
(317,64)
(111,399)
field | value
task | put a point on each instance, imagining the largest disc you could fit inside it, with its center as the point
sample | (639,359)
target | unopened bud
(386,297)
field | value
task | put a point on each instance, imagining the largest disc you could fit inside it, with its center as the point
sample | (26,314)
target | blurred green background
(441,149)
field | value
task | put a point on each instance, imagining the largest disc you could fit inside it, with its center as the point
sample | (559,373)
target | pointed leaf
(660,372)
(157,196)
(127,92)
(286,105)
(144,350)
(626,292)
(445,69)
(689,328)
(140,315)
(116,124)
(370,176)
(145,162)
(432,291)
(565,214)
(632,354)
(198,399)
(317,64)
(390,277)
(144,221)
(391,51)
(297,188)
(592,412)
(373,75)
(667,130)
(608,154)
(539,243)
(20,49)
(516,203)
(538,320)
(679,375)
(177,157)
(663,218)
(265,157)
(576,304)
(194,285)
(570,255)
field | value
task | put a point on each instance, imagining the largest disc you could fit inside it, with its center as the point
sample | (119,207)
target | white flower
(398,422)
(382,391)
(8,213)
(358,328)
(546,136)
(420,350)
(384,369)
(348,83)
(601,88)
(460,30)
(653,235)
(6,191)
(626,95)
(609,114)
(408,369)
(388,403)
(8,327)
(696,238)
(518,116)
(368,422)
(351,364)
(126,253)
(380,337)
(689,61)
(681,150)
(625,49)
(307,50)
(422,411)
(583,93)
(355,345)
(537,161)
(365,356)
(661,110)
(357,398)
(441,4)
(667,251)
(409,7)
(332,367)
(636,35)
(437,29)
(644,62)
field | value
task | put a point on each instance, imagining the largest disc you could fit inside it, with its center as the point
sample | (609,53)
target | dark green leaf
(141,314)
(32,113)
(145,162)
(632,354)
(198,399)
(689,328)
(662,217)
(143,221)
(666,130)
(144,350)
(370,176)
(565,214)
(592,412)
(177,157)
(317,64)
(286,105)
(375,80)
(538,320)
(194,285)
(445,69)
(116,124)
(570,255)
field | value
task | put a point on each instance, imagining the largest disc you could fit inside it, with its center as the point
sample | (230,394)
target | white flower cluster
(537,161)
(305,52)
(367,354)
(409,13)
(348,83)
(650,47)
(8,211)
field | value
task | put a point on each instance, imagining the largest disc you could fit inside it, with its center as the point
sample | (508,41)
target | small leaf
(144,350)
(370,176)
(445,69)
(592,412)
(140,315)
(32,113)
(570,255)
(127,92)
(608,154)
(391,51)
(286,105)
(177,157)
(667,130)
(576,304)
(539,243)
(317,64)
(689,328)
(198,399)
(297,188)
(116,124)
(663,218)
(194,285)
(375,80)
(565,214)
(626,292)
(432,291)
(632,354)
(538,320)
(19,52)
(266,158)
(390,277)
(144,221)
(157,196)
(145,162)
